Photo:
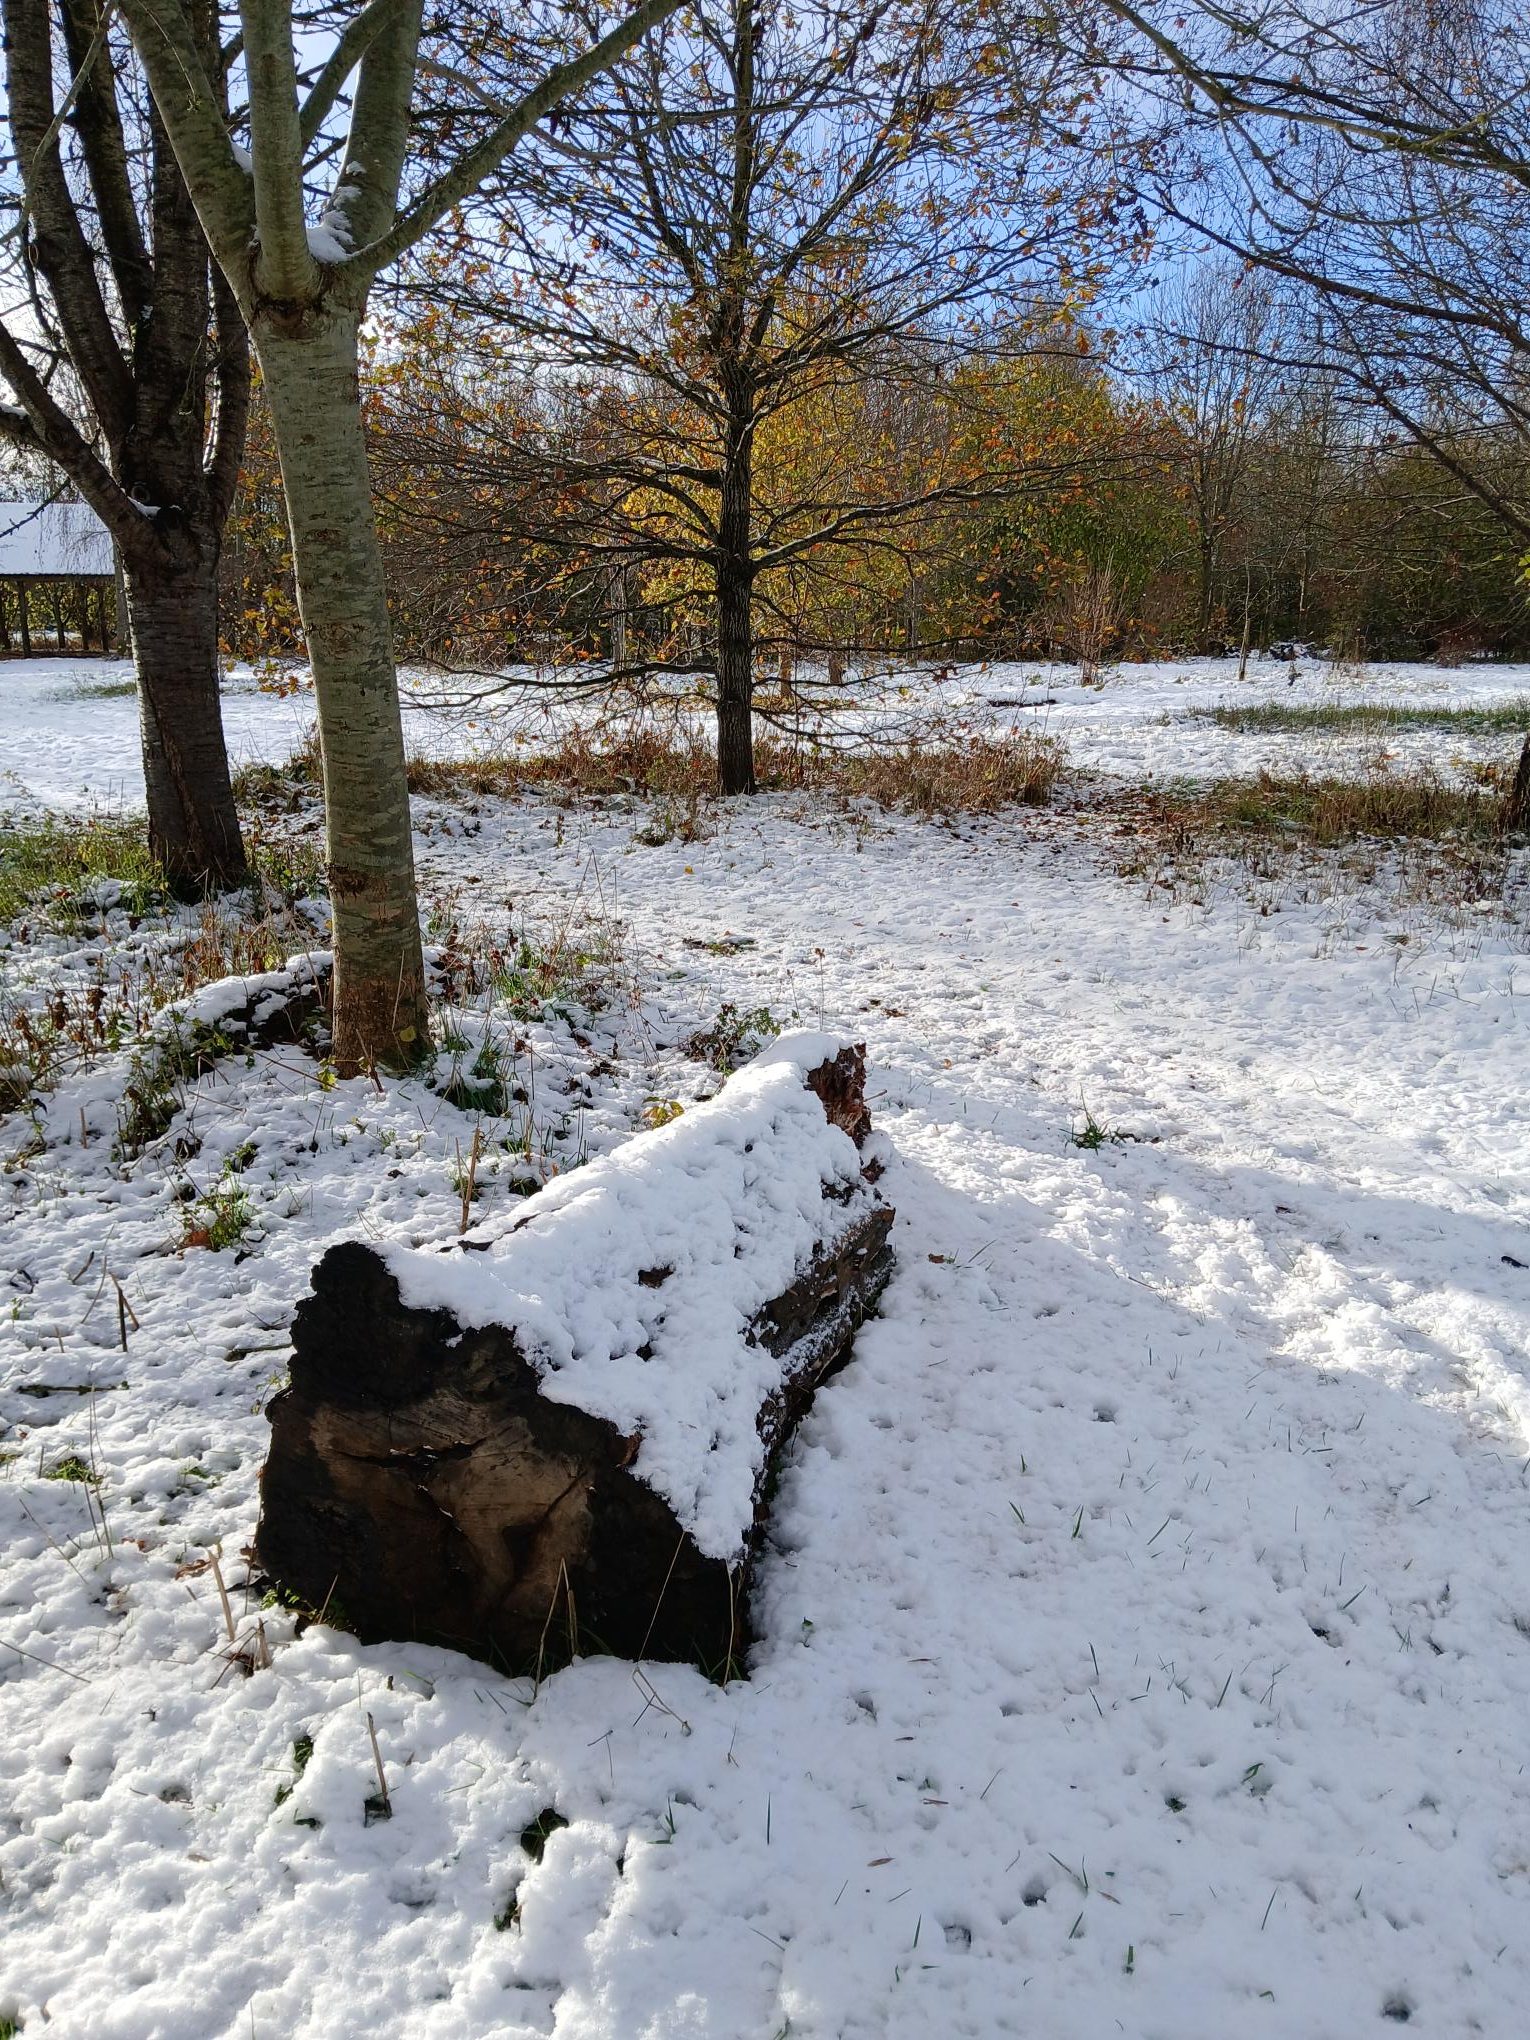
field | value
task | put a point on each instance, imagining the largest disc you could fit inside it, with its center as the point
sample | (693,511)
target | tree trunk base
(194,832)
(1516,807)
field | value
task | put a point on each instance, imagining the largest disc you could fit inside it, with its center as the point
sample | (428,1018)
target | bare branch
(352,44)
(485,157)
(55,433)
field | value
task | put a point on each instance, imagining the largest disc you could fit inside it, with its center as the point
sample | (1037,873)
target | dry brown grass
(936,776)
(1409,842)
(1379,805)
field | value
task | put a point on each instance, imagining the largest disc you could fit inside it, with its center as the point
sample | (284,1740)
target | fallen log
(565,1441)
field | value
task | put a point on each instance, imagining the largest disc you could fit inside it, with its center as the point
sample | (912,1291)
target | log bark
(423,1486)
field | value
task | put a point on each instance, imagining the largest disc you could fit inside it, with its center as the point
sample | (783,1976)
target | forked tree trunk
(193,824)
(382,1018)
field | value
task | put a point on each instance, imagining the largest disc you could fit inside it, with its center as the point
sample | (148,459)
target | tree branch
(99,126)
(351,46)
(55,433)
(365,199)
(191,110)
(485,157)
(284,266)
(58,247)
(231,399)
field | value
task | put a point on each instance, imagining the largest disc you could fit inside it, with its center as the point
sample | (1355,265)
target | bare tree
(1376,155)
(1213,362)
(777,217)
(303,286)
(127,362)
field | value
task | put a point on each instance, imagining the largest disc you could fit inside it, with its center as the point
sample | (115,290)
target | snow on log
(564,1440)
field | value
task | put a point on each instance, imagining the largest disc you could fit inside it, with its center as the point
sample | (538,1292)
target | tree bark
(735,631)
(140,354)
(173,618)
(1516,808)
(422,1485)
(382,1016)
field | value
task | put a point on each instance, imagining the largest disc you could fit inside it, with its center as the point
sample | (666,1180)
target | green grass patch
(1506,718)
(733,1037)
(1093,1133)
(72,1467)
(56,864)
(219,1218)
(68,856)
(99,690)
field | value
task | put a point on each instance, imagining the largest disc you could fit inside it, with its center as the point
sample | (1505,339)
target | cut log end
(422,1485)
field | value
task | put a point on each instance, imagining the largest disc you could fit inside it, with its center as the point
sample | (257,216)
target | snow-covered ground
(64,741)
(1146,1630)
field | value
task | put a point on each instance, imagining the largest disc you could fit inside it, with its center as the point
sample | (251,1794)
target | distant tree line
(1035,502)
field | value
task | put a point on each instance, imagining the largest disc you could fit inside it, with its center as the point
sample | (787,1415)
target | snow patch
(669,1357)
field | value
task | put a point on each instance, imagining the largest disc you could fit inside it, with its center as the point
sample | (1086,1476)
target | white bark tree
(303,288)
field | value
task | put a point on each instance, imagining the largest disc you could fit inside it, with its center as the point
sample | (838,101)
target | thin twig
(382,1779)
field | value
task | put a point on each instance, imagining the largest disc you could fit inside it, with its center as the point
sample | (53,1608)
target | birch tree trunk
(303,295)
(381,1013)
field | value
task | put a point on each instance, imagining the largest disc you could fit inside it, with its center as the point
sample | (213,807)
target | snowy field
(66,743)
(1146,1628)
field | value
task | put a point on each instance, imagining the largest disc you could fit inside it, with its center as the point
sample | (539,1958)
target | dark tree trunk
(1516,809)
(193,824)
(23,603)
(735,631)
(735,682)
(1206,594)
(148,339)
